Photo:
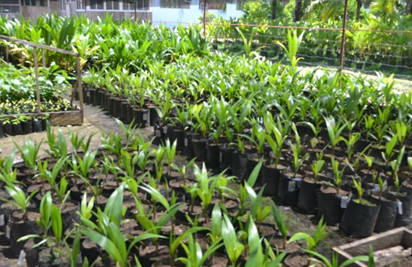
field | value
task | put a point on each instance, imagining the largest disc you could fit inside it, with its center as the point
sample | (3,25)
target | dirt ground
(95,121)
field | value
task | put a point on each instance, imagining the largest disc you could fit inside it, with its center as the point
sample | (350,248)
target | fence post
(204,17)
(36,73)
(7,52)
(342,47)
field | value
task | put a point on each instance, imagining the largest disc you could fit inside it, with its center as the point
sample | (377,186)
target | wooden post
(342,47)
(43,58)
(204,17)
(79,85)
(36,73)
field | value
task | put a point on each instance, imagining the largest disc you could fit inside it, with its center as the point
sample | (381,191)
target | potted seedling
(272,169)
(257,139)
(307,200)
(311,241)
(22,222)
(290,181)
(281,225)
(360,215)
(334,131)
(332,199)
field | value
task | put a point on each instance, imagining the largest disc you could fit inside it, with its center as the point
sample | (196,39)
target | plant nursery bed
(58,118)
(391,247)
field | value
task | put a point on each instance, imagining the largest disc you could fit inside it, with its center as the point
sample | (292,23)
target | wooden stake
(79,86)
(36,73)
(342,47)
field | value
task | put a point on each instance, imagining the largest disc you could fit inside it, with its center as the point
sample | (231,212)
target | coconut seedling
(337,175)
(316,167)
(205,188)
(7,174)
(350,144)
(169,155)
(57,147)
(281,224)
(29,152)
(59,187)
(257,256)
(50,218)
(312,240)
(107,232)
(82,167)
(80,142)
(389,152)
(19,199)
(234,248)
(335,130)
(395,165)
(194,255)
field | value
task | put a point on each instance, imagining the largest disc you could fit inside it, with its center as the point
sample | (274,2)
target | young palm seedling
(317,166)
(234,248)
(395,165)
(29,151)
(195,257)
(107,232)
(256,255)
(59,187)
(50,218)
(312,240)
(281,224)
(19,199)
(337,175)
(334,131)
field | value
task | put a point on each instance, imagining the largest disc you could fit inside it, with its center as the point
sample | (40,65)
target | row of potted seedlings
(302,189)
(220,134)
(132,203)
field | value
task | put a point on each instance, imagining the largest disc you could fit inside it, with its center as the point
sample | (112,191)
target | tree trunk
(274,4)
(358,8)
(409,10)
(298,10)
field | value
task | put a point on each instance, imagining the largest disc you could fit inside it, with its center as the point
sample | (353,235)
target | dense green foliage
(367,44)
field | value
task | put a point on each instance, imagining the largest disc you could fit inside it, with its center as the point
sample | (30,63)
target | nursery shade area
(235,136)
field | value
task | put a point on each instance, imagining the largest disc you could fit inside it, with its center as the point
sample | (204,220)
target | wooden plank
(66,118)
(12,116)
(399,236)
(41,46)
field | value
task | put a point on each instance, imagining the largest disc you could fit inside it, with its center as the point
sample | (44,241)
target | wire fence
(366,50)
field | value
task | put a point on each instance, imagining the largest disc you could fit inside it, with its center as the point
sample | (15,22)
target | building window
(112,5)
(42,2)
(96,4)
(128,6)
(9,6)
